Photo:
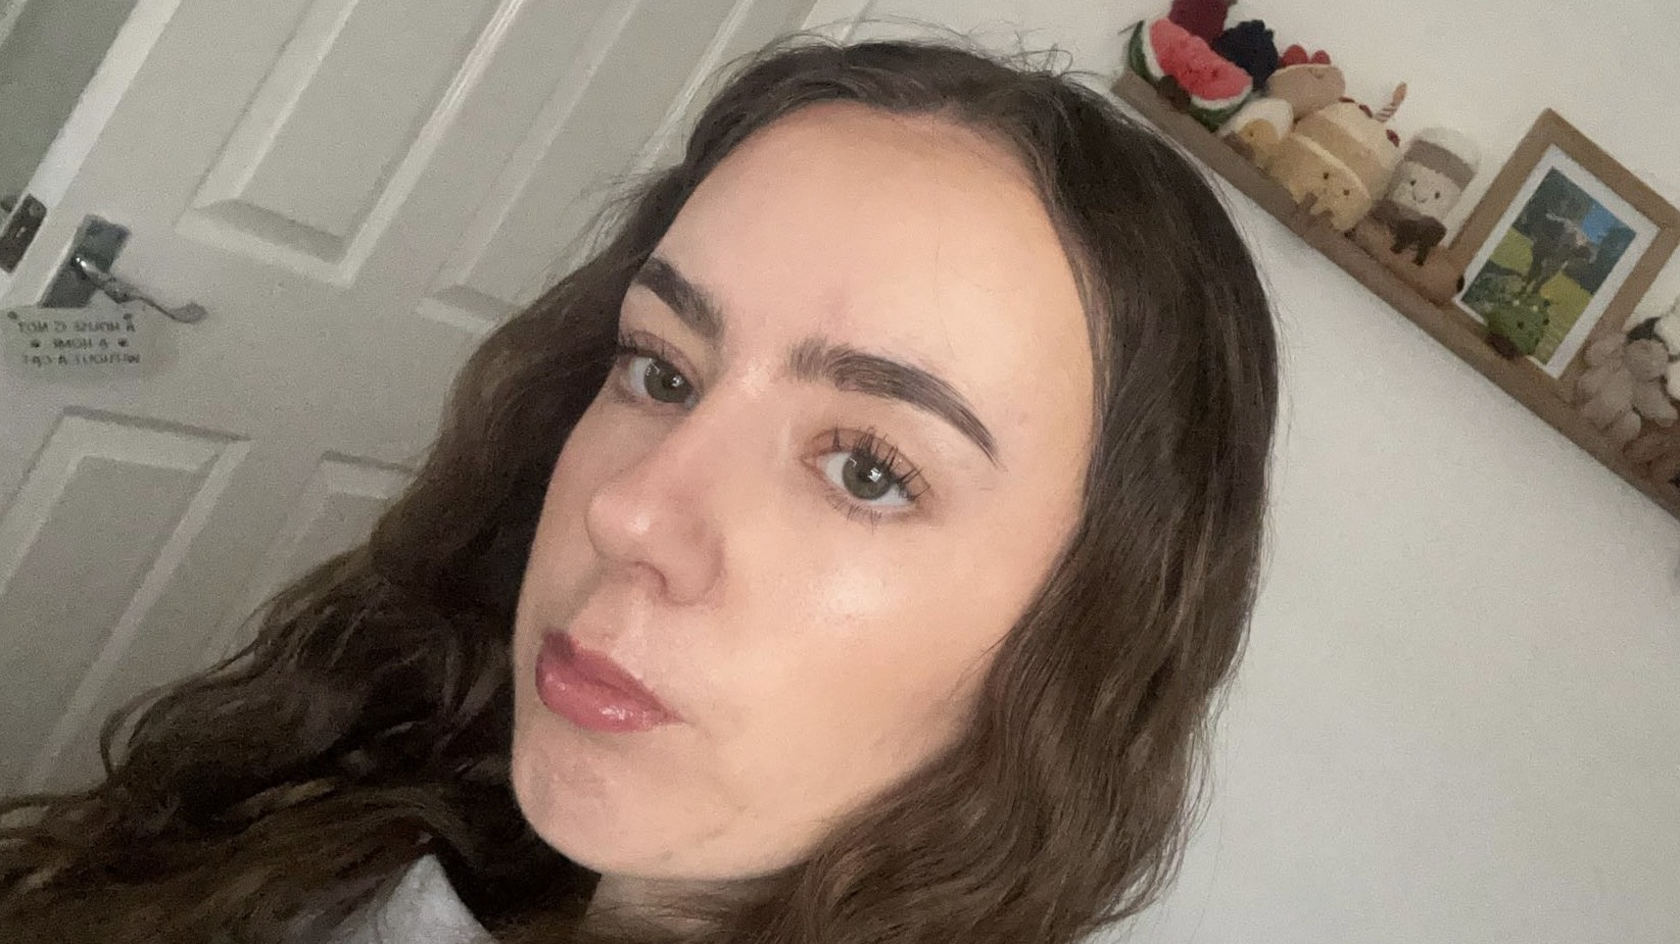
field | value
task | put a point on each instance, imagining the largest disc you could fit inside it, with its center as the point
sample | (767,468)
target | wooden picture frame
(1607,236)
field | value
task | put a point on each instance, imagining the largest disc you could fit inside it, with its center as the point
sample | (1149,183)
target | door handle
(88,270)
(120,291)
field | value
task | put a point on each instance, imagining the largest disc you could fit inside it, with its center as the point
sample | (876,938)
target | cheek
(872,664)
(851,683)
(890,626)
(898,635)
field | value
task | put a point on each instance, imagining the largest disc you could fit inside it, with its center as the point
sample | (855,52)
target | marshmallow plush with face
(1431,177)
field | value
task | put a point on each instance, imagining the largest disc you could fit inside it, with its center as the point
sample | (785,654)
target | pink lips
(593,692)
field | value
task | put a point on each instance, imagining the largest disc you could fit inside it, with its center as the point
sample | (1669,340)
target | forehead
(908,236)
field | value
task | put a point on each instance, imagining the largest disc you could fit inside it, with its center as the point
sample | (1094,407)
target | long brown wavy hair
(368,724)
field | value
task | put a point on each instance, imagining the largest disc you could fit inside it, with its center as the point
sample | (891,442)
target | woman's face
(842,455)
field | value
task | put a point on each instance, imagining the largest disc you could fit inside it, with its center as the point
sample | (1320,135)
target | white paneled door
(356,190)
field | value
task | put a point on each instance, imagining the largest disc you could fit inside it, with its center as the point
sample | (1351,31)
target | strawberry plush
(1297,55)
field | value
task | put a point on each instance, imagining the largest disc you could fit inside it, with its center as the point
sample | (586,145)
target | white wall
(1459,715)
(48,51)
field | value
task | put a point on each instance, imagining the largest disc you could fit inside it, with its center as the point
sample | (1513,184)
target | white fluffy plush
(1668,329)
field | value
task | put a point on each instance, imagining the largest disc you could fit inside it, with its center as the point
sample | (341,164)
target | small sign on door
(63,343)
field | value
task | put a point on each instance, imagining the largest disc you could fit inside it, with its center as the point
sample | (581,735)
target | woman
(848,551)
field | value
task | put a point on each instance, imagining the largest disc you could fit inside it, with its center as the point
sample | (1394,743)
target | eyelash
(868,447)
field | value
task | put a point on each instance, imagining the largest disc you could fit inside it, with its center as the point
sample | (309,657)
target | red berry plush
(1296,55)
(1204,19)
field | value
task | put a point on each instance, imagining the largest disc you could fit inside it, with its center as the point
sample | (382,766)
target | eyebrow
(842,366)
(691,303)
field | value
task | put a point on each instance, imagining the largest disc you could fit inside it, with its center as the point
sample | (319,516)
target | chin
(588,802)
(565,792)
(598,812)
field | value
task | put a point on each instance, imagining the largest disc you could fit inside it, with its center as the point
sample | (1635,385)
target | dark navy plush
(1250,47)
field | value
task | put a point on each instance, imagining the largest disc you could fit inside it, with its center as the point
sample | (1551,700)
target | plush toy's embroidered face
(1424,190)
(1307,88)
(1307,170)
(1260,138)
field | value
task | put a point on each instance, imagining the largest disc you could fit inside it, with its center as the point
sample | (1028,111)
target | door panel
(97,530)
(587,138)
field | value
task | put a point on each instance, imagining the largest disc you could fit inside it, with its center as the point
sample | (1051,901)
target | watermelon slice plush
(1162,50)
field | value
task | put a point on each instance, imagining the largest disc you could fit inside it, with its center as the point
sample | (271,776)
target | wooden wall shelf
(1457,331)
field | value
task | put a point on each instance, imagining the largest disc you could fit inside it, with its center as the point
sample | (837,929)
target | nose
(659,515)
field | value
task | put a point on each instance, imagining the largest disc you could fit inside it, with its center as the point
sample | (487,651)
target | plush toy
(1188,73)
(1296,55)
(1666,328)
(1427,184)
(1515,329)
(1258,128)
(1307,87)
(1250,47)
(1204,19)
(1301,87)
(1337,160)
(1623,384)
(1656,454)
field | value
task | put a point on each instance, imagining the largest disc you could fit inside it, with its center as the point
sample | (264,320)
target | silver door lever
(120,291)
